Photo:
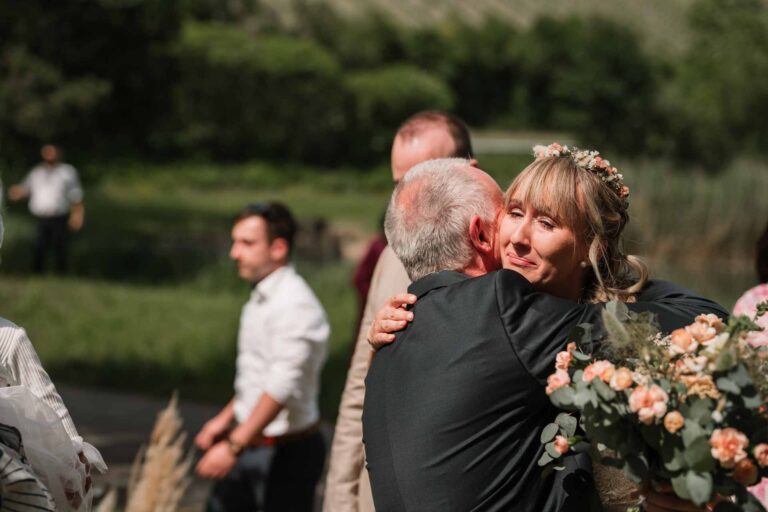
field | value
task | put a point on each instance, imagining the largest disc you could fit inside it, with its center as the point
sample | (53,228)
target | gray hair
(428,217)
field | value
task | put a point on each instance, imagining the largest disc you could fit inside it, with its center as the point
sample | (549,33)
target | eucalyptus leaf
(725,361)
(549,432)
(700,410)
(698,455)
(752,401)
(545,459)
(603,390)
(563,397)
(568,423)
(699,486)
(740,375)
(726,385)
(581,356)
(691,432)
(680,486)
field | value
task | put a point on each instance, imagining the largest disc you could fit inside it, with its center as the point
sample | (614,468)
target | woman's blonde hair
(580,199)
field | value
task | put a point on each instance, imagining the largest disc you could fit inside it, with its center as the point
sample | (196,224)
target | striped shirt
(19,365)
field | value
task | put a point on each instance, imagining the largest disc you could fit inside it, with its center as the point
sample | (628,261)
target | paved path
(118,424)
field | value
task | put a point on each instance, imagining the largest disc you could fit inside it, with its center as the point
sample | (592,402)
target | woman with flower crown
(564,216)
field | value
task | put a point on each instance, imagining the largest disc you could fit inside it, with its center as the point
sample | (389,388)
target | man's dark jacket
(454,408)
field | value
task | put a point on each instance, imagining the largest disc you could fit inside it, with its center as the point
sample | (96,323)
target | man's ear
(473,163)
(279,250)
(480,235)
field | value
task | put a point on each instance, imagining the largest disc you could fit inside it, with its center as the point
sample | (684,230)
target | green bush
(717,99)
(383,98)
(242,96)
(591,78)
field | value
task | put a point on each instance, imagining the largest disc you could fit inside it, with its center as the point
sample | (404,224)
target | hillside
(662,22)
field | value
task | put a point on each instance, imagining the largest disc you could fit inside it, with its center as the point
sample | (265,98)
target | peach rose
(713,321)
(602,369)
(701,332)
(745,472)
(557,380)
(701,385)
(563,360)
(621,379)
(761,454)
(673,421)
(561,445)
(681,342)
(648,403)
(728,446)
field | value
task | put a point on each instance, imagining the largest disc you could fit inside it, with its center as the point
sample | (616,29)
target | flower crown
(589,161)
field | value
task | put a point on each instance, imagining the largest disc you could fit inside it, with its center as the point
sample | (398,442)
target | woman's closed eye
(547,223)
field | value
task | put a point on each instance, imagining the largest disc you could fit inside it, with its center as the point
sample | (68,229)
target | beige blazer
(347,488)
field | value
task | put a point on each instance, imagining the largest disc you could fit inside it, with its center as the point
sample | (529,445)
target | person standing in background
(56,201)
(424,136)
(264,448)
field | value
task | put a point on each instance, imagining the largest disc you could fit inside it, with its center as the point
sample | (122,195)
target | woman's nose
(521,233)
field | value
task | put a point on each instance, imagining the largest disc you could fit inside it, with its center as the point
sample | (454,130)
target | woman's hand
(664,499)
(391,318)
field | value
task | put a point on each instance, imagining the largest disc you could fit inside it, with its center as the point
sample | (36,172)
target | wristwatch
(235,447)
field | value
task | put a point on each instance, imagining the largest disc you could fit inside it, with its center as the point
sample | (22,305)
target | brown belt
(286,438)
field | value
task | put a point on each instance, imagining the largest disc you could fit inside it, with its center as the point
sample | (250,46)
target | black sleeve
(538,324)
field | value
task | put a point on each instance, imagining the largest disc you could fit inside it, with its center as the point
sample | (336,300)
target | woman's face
(544,250)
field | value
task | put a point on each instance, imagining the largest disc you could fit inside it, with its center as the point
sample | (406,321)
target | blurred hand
(76,218)
(211,431)
(217,462)
(17,193)
(391,318)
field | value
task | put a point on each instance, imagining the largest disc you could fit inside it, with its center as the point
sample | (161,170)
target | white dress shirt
(52,190)
(282,345)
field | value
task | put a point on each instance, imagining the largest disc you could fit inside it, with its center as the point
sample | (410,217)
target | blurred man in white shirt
(264,447)
(56,200)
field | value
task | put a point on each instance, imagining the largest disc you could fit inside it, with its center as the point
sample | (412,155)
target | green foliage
(242,96)
(590,77)
(383,98)
(719,89)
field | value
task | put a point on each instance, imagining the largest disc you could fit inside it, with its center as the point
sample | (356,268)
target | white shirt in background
(52,190)
(282,345)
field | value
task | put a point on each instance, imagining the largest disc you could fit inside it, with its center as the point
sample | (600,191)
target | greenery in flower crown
(590,161)
(688,407)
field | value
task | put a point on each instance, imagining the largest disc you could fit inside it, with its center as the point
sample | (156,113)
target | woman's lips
(520,262)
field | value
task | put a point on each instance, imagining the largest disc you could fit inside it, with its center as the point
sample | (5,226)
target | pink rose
(602,369)
(682,342)
(561,445)
(621,379)
(761,454)
(557,380)
(673,421)
(563,360)
(728,446)
(648,403)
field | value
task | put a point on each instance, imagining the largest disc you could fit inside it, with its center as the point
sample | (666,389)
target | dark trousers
(280,478)
(52,235)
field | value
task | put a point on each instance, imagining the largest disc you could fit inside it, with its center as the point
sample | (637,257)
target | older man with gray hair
(432,209)
(452,415)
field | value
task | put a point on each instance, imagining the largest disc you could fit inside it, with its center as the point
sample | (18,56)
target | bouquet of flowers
(688,407)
